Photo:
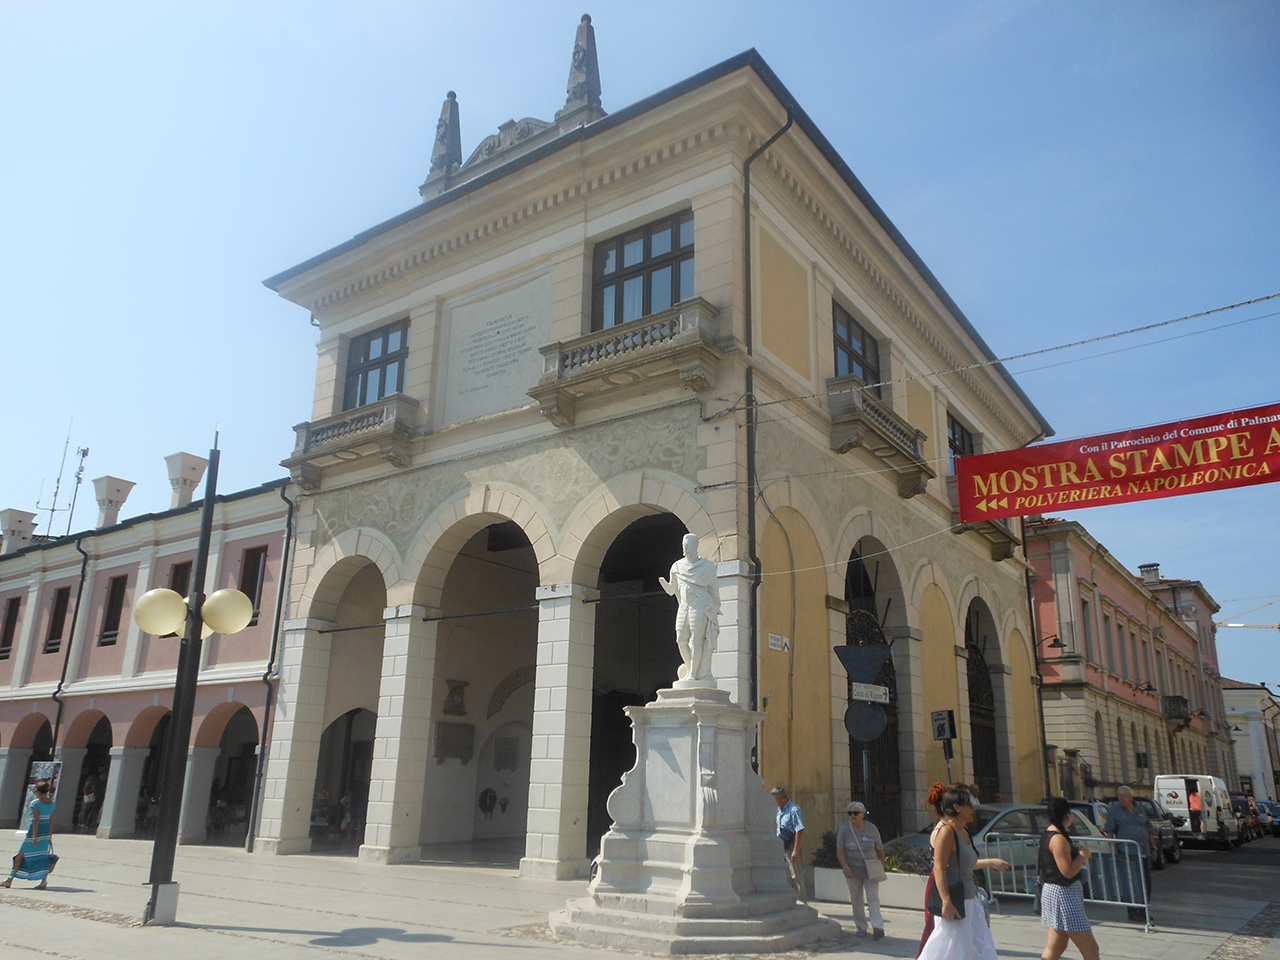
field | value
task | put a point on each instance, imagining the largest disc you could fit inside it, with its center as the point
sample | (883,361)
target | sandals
(42,885)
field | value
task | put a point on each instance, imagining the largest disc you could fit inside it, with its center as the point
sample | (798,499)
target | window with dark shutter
(57,619)
(10,626)
(115,607)
(253,571)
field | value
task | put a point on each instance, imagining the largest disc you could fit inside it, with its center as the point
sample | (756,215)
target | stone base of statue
(692,863)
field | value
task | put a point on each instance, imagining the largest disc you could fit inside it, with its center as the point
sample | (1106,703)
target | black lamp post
(160,612)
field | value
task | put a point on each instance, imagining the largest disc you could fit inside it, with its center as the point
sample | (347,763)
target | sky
(1066,170)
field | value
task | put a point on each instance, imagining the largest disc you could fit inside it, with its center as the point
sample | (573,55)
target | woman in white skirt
(1061,893)
(961,932)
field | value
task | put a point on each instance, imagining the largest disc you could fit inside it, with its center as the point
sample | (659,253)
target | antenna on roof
(53,507)
(81,452)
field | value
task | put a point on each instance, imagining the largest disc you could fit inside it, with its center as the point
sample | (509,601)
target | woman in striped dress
(1062,894)
(35,857)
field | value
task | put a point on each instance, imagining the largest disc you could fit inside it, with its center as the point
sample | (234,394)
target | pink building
(81,683)
(1131,687)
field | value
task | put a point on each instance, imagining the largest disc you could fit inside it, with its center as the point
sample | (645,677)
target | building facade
(595,335)
(1254,714)
(1131,688)
(81,683)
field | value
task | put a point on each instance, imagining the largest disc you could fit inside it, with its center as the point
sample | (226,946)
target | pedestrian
(1128,821)
(934,800)
(790,824)
(35,859)
(960,931)
(858,845)
(1062,894)
(1195,806)
(88,797)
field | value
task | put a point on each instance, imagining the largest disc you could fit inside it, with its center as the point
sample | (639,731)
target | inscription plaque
(492,356)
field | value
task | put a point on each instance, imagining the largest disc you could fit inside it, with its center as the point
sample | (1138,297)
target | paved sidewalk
(282,908)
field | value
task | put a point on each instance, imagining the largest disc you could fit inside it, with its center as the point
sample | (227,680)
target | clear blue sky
(1065,169)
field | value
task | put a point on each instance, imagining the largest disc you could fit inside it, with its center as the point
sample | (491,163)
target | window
(253,570)
(1107,639)
(375,364)
(57,619)
(1137,664)
(644,271)
(1124,754)
(856,350)
(959,440)
(10,626)
(115,607)
(180,582)
(1124,653)
(1087,628)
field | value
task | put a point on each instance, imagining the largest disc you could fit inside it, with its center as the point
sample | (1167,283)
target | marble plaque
(491,350)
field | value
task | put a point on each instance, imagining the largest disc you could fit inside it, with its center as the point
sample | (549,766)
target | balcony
(860,419)
(1177,713)
(680,343)
(999,534)
(384,429)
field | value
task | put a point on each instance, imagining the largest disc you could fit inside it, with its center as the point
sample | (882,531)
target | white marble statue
(695,585)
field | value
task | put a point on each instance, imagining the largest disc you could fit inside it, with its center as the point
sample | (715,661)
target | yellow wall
(920,416)
(784,305)
(938,681)
(795,747)
(1026,723)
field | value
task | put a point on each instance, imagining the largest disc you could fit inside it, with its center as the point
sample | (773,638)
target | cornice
(494,227)
(825,220)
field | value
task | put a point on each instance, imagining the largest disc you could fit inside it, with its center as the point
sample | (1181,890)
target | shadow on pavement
(350,937)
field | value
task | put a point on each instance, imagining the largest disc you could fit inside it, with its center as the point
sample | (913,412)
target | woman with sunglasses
(960,931)
(857,843)
(35,857)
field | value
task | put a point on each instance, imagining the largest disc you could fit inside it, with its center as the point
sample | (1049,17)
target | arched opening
(1100,733)
(343,770)
(152,778)
(482,703)
(865,626)
(94,770)
(232,788)
(33,731)
(981,642)
(635,651)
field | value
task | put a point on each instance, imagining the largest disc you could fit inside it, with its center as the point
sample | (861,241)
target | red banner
(1191,456)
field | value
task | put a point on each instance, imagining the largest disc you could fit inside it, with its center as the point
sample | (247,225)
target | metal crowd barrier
(1113,874)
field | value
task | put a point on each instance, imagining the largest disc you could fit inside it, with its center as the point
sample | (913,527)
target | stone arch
(215,722)
(777,494)
(28,728)
(456,522)
(338,561)
(144,724)
(925,574)
(865,524)
(611,508)
(81,727)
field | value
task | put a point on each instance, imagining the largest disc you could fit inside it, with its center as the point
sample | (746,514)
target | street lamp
(161,612)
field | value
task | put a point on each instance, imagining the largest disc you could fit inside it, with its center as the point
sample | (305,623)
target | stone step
(771,924)
(629,937)
(755,905)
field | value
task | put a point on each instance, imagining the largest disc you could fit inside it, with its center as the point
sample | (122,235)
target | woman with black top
(1062,894)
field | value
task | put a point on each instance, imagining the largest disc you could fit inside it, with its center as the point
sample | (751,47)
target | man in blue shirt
(791,832)
(1128,821)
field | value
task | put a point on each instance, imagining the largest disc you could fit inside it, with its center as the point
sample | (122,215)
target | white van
(1215,822)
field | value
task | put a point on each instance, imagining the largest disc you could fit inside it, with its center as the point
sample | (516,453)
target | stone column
(1007,754)
(915,738)
(556,842)
(13,779)
(295,743)
(196,788)
(401,744)
(964,730)
(124,783)
(68,786)
(731,663)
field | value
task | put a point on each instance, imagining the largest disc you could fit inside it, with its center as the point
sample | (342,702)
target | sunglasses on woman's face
(856,813)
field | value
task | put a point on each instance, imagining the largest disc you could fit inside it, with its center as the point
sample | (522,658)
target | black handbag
(934,902)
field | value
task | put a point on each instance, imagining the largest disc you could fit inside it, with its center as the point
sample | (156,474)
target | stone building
(81,683)
(1254,714)
(531,385)
(1131,687)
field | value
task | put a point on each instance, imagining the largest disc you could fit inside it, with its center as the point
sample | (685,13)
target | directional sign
(869,691)
(862,663)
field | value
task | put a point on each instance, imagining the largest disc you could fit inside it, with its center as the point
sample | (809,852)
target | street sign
(944,724)
(864,721)
(869,691)
(862,663)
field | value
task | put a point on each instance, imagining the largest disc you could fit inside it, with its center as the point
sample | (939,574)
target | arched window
(1124,754)
(1100,732)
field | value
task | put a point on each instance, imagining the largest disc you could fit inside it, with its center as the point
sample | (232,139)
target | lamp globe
(227,611)
(160,611)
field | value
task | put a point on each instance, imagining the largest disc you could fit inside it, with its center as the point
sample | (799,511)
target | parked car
(1217,821)
(1273,808)
(1247,811)
(1268,821)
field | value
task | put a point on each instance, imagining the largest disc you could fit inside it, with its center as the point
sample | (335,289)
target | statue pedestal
(692,863)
